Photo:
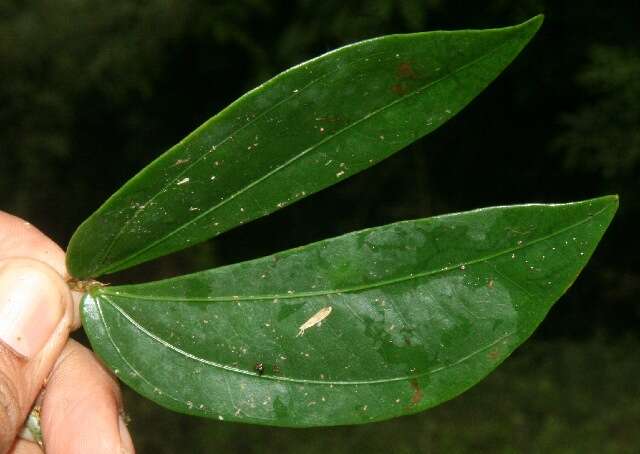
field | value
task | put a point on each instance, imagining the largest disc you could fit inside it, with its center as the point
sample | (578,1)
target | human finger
(82,407)
(36,312)
(25,447)
(19,238)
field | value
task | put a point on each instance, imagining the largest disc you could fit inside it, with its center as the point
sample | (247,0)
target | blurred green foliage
(603,135)
(92,90)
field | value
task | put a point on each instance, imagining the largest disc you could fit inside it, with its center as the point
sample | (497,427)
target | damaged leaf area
(304,130)
(396,319)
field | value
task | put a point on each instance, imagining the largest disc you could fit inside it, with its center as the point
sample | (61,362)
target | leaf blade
(409,327)
(243,164)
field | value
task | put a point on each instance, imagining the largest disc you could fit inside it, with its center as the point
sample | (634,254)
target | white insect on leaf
(315,319)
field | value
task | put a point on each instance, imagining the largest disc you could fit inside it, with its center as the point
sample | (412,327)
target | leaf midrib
(116,265)
(358,288)
(104,296)
(195,162)
(237,370)
(215,118)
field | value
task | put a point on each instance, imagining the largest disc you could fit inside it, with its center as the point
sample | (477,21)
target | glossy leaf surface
(420,311)
(302,131)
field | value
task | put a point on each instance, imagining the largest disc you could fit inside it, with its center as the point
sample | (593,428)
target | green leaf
(308,128)
(420,311)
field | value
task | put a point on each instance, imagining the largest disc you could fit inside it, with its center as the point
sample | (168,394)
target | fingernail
(30,308)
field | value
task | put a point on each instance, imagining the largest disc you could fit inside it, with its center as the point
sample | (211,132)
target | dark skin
(80,400)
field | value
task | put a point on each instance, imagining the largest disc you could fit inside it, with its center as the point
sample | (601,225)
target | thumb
(35,317)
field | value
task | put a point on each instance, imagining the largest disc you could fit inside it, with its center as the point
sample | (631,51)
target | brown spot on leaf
(399,89)
(494,354)
(181,161)
(405,71)
(417,395)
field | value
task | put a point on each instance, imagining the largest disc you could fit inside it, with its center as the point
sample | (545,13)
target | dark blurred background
(91,91)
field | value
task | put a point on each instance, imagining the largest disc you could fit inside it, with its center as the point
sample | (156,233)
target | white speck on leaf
(183,181)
